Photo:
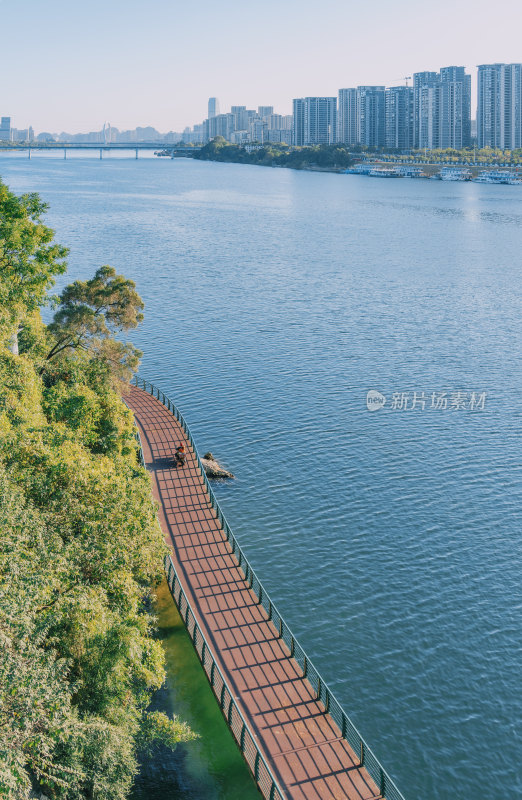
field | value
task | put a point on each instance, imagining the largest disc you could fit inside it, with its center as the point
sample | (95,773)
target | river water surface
(391,541)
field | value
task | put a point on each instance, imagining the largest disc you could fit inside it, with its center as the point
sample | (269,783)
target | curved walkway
(299,740)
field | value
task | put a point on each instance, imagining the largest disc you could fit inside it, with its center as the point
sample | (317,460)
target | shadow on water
(210,768)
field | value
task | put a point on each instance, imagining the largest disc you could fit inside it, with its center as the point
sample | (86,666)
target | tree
(29,259)
(91,313)
(80,544)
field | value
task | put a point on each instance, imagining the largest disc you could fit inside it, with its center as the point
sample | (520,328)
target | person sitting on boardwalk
(179,456)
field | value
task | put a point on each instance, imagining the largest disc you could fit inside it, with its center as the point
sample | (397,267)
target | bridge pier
(137,151)
(29,153)
(101,154)
(65,154)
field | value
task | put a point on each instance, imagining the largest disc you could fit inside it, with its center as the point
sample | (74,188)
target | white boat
(498,176)
(455,174)
(412,172)
(359,169)
(385,172)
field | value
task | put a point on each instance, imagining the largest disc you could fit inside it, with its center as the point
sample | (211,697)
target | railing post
(305,666)
(242,739)
(362,753)
(280,628)
(229,715)
(256,766)
(203,652)
(343,732)
(383,782)
(213,667)
(222,700)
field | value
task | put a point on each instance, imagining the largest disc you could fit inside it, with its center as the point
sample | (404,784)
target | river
(275,300)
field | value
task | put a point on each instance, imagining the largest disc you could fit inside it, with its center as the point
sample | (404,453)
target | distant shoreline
(430,169)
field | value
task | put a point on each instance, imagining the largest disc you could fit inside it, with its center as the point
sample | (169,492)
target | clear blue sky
(72,65)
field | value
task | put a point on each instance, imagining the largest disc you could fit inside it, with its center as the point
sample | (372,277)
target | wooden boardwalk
(298,739)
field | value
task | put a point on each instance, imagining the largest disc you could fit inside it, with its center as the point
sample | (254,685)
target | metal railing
(323,693)
(244,737)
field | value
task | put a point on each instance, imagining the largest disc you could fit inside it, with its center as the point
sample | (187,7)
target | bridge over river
(101,147)
(295,737)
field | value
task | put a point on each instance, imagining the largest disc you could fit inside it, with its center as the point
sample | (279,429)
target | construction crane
(406,78)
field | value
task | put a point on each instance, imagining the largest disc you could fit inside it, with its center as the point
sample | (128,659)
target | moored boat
(498,176)
(412,172)
(385,172)
(455,174)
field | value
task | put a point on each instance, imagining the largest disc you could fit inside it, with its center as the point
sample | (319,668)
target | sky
(71,66)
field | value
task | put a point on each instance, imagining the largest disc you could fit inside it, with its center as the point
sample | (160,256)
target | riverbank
(325,158)
(212,766)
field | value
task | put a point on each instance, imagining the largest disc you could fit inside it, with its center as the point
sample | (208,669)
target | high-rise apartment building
(315,120)
(5,129)
(298,123)
(220,125)
(347,116)
(488,105)
(213,107)
(511,106)
(454,108)
(499,110)
(241,117)
(425,109)
(442,109)
(399,117)
(371,116)
(265,111)
(320,120)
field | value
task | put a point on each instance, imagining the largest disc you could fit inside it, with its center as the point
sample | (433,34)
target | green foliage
(338,156)
(91,313)
(29,259)
(157,729)
(80,547)
(277,155)
(481,157)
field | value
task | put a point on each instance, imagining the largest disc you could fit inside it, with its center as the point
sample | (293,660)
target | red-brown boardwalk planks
(299,740)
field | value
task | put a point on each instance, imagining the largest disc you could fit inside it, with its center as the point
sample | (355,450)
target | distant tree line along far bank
(338,157)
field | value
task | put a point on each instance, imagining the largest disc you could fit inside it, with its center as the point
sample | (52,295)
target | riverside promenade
(298,742)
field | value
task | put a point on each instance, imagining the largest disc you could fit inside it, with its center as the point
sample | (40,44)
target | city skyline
(72,69)
(397,114)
